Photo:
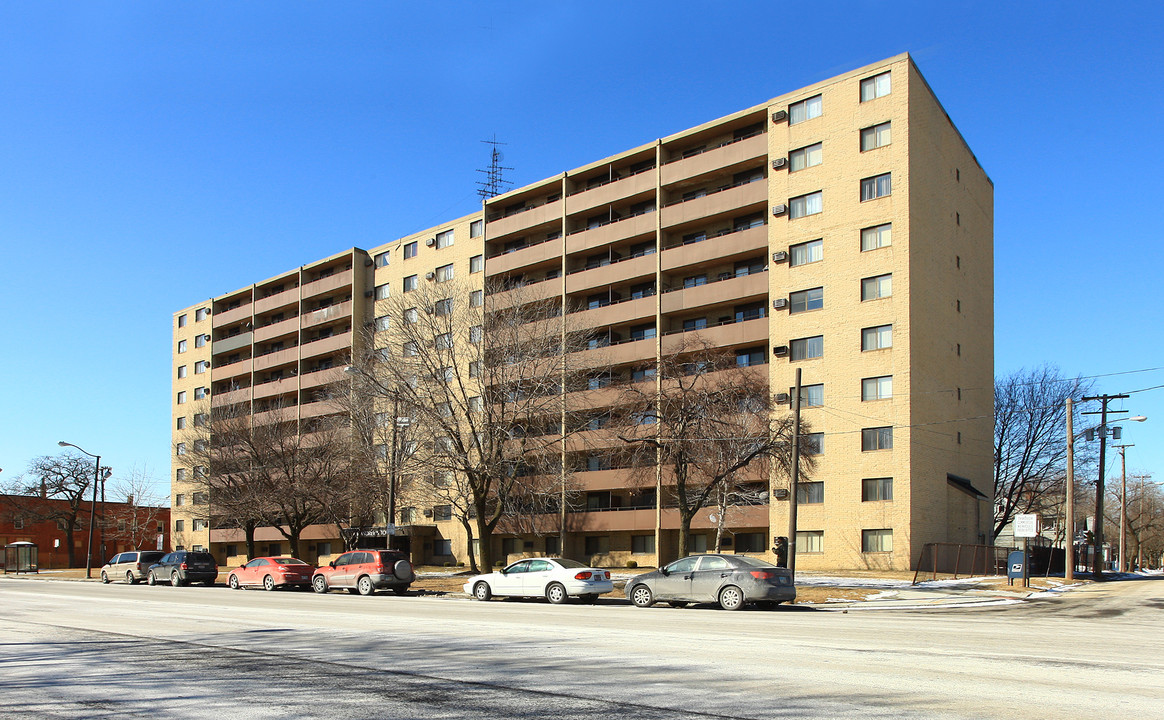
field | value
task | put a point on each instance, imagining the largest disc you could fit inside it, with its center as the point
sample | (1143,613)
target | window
(444,273)
(180,475)
(201,498)
(811,395)
(876,489)
(642,544)
(878,438)
(475,369)
(476,228)
(179,500)
(694,281)
(807,348)
(200,340)
(409,349)
(877,388)
(476,298)
(814,443)
(382,323)
(201,419)
(383,291)
(382,259)
(442,548)
(751,311)
(876,187)
(692,324)
(180,449)
(444,341)
(201,366)
(181,321)
(810,204)
(448,374)
(875,87)
(475,334)
(443,307)
(805,157)
(181,371)
(877,287)
(876,237)
(750,267)
(875,137)
(751,357)
(476,263)
(444,239)
(750,542)
(410,315)
(181,423)
(442,512)
(200,393)
(876,338)
(876,541)
(475,404)
(642,332)
(642,290)
(597,544)
(410,283)
(410,249)
(810,493)
(805,110)
(200,314)
(805,253)
(181,346)
(810,541)
(182,397)
(179,525)
(806,300)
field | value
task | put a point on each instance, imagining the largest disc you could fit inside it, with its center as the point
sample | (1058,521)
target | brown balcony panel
(222,319)
(607,437)
(321,407)
(724,158)
(642,309)
(233,397)
(740,516)
(614,479)
(749,332)
(524,220)
(627,352)
(274,330)
(526,294)
(612,520)
(610,193)
(730,200)
(282,357)
(230,344)
(619,272)
(225,372)
(327,314)
(286,414)
(320,377)
(342,341)
(612,233)
(276,301)
(525,257)
(270,534)
(724,248)
(278,387)
(327,284)
(735,290)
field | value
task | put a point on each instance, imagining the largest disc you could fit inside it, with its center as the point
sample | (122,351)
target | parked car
(132,565)
(555,579)
(270,573)
(365,572)
(183,567)
(731,580)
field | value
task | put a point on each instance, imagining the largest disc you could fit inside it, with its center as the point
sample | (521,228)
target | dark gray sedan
(730,580)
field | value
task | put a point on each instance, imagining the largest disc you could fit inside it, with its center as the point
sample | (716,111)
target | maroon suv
(365,572)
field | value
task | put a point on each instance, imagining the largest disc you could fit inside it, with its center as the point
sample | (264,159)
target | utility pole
(795,477)
(1069,535)
(1097,559)
(1123,506)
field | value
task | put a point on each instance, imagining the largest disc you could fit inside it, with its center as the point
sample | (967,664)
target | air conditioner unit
(779,303)
(429,275)
(779,209)
(779,163)
(428,513)
(779,116)
(779,256)
(783,398)
(369,293)
(780,350)
(780,493)
(430,242)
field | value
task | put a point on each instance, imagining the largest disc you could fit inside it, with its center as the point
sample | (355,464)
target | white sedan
(555,579)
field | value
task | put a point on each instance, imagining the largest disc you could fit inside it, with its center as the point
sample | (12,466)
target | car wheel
(151,579)
(556,593)
(129,578)
(104,577)
(481,591)
(403,571)
(175,580)
(233,582)
(642,596)
(364,586)
(268,583)
(731,598)
(319,584)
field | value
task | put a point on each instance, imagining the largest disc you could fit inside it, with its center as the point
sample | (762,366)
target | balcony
(733,334)
(531,217)
(624,229)
(724,157)
(327,314)
(620,271)
(328,284)
(232,397)
(739,516)
(724,248)
(618,313)
(732,290)
(235,369)
(275,359)
(612,520)
(319,408)
(611,192)
(342,341)
(731,199)
(278,300)
(616,479)
(231,344)
(274,330)
(276,387)
(627,351)
(320,377)
(530,292)
(227,317)
(525,257)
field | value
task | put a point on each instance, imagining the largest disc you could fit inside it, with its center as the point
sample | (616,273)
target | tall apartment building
(844,229)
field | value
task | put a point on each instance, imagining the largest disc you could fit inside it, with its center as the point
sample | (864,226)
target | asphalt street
(83,650)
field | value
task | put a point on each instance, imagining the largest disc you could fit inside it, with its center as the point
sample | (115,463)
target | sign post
(1026,526)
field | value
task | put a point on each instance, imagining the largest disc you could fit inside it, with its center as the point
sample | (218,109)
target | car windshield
(753,562)
(569,563)
(289,561)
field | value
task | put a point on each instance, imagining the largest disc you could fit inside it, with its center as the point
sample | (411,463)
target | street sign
(390,529)
(1026,526)
(160,538)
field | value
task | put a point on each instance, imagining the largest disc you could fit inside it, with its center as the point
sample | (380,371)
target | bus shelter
(20,557)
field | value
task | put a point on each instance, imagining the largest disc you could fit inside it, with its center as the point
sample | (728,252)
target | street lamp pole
(92,507)
(1124,506)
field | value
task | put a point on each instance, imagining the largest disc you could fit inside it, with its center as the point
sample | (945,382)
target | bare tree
(480,378)
(66,477)
(1030,446)
(136,523)
(710,424)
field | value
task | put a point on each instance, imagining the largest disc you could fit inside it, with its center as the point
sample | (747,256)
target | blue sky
(137,136)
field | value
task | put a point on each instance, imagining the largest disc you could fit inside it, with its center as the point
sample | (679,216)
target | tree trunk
(69,541)
(684,532)
(249,534)
(469,544)
(484,536)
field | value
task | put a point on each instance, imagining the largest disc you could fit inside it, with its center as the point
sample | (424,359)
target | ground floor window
(442,548)
(876,541)
(324,548)
(597,544)
(697,543)
(642,544)
(810,541)
(274,549)
(750,542)
(553,545)
(509,546)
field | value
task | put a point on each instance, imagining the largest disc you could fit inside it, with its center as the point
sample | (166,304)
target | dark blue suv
(182,567)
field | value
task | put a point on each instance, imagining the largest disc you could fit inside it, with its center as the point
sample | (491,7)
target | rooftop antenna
(493,184)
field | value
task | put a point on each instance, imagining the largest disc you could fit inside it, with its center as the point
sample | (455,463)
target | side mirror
(331,564)
(664,572)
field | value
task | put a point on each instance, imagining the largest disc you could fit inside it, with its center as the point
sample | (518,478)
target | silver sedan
(730,580)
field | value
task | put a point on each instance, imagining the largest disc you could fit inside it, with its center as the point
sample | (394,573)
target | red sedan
(270,573)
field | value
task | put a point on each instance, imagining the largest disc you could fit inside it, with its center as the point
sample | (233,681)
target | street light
(1103,429)
(394,456)
(92,506)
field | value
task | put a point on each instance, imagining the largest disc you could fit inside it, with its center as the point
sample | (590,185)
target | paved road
(82,650)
